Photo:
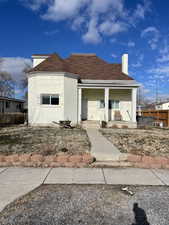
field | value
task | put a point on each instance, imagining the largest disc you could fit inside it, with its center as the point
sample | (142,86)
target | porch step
(90,124)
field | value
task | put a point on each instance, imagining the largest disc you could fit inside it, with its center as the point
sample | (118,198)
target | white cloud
(144,90)
(160,71)
(34,4)
(148,30)
(153,35)
(164,53)
(142,9)
(77,22)
(136,65)
(92,35)
(94,18)
(131,44)
(62,9)
(163,58)
(97,7)
(15,66)
(139,62)
(111,27)
(114,56)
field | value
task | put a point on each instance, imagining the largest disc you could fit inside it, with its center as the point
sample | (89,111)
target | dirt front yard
(45,141)
(152,142)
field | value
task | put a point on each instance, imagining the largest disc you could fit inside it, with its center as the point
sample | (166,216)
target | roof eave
(54,73)
(111,82)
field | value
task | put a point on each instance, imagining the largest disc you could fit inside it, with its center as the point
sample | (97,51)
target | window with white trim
(47,99)
(114,104)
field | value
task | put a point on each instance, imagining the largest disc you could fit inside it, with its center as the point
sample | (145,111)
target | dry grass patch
(43,140)
(152,142)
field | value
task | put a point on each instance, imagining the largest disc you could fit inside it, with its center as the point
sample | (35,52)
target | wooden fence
(158,115)
(12,118)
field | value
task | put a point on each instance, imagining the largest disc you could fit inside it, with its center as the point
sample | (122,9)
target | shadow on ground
(140,215)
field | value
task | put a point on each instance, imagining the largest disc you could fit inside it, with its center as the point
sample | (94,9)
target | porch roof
(109,83)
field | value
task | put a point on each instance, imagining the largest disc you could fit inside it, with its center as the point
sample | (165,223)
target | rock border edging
(148,162)
(38,160)
(84,160)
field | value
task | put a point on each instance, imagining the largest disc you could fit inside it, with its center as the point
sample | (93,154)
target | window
(54,100)
(49,99)
(45,99)
(19,106)
(102,104)
(114,104)
(7,104)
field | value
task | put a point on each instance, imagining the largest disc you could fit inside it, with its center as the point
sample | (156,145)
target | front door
(84,109)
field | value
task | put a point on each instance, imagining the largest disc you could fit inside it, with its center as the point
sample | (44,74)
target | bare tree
(142,99)
(7,85)
(24,80)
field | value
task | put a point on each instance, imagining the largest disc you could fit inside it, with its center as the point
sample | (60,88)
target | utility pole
(157,97)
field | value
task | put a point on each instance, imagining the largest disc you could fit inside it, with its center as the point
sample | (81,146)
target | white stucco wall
(46,83)
(93,97)
(70,99)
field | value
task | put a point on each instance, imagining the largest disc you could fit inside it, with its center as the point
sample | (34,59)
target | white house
(162,106)
(78,88)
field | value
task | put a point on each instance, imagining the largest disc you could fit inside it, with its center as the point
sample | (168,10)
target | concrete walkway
(16,182)
(101,148)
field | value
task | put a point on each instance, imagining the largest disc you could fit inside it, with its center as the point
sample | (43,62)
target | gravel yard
(88,205)
(152,142)
(46,141)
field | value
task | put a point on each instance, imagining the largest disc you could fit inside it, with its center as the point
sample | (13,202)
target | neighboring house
(10,105)
(149,106)
(80,87)
(162,106)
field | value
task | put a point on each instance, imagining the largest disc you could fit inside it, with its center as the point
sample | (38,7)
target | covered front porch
(110,104)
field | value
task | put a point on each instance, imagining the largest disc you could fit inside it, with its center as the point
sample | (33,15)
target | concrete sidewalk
(101,148)
(16,182)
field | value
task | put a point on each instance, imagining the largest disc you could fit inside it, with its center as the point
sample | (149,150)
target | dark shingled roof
(87,66)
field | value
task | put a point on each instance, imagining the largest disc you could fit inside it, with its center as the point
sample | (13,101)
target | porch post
(79,105)
(134,102)
(106,100)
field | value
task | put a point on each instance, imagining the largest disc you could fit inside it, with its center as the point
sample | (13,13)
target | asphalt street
(90,205)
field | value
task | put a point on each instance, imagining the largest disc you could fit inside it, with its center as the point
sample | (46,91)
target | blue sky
(108,28)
